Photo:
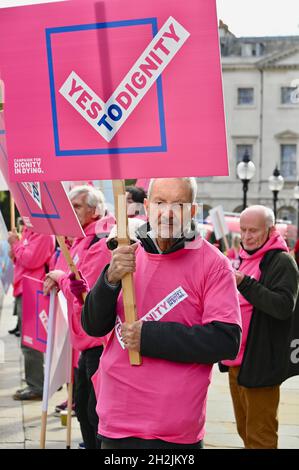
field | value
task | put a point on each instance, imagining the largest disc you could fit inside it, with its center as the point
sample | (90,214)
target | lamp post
(296,196)
(276,182)
(245,171)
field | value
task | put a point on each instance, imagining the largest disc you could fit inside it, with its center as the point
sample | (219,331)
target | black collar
(178,243)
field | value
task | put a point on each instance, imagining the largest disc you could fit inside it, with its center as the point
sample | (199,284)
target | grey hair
(95,198)
(190,180)
(270,217)
(268,214)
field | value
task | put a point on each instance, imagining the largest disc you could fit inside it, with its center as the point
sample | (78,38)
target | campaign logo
(159,311)
(34,190)
(108,117)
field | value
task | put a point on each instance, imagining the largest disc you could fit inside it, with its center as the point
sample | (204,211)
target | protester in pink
(31,255)
(188,318)
(89,255)
(267,281)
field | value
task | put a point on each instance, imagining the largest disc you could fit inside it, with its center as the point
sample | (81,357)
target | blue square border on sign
(54,215)
(102,151)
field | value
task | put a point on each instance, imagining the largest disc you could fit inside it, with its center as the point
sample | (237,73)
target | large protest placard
(35,330)
(44,207)
(34,314)
(113,89)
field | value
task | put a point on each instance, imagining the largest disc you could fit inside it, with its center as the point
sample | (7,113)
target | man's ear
(271,230)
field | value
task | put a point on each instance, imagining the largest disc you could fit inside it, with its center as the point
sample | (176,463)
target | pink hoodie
(30,255)
(90,260)
(250,267)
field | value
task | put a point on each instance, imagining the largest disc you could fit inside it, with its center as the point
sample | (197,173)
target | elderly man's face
(84,213)
(254,230)
(170,208)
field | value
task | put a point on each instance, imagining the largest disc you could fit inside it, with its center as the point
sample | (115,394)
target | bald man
(188,318)
(267,281)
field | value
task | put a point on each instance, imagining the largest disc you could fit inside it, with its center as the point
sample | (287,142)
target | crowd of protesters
(195,307)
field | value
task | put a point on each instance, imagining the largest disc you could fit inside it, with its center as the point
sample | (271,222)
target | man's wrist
(110,282)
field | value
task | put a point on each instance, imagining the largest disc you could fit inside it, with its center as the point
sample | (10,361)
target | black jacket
(269,353)
(165,340)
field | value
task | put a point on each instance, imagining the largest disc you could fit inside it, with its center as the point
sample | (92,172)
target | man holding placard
(188,318)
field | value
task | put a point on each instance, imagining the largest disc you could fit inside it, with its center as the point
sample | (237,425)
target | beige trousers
(256,411)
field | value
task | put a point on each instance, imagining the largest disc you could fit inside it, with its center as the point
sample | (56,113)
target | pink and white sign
(44,207)
(113,89)
(35,314)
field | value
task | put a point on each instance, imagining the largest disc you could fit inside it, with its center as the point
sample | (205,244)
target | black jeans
(136,443)
(85,399)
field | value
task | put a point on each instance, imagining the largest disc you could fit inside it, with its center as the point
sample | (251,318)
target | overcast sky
(244,17)
(260,17)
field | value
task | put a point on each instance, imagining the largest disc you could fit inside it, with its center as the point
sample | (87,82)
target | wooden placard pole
(65,251)
(67,256)
(42,444)
(124,240)
(12,213)
(69,414)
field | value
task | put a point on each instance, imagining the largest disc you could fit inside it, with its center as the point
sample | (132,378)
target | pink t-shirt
(163,399)
(251,267)
(31,254)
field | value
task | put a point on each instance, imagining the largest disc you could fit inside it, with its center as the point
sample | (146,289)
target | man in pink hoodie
(89,254)
(267,281)
(30,254)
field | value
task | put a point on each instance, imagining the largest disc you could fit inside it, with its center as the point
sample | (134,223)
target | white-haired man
(188,318)
(89,254)
(267,281)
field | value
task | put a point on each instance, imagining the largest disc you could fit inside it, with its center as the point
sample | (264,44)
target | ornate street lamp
(276,182)
(245,171)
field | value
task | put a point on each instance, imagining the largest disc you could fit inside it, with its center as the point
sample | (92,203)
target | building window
(288,156)
(252,49)
(287,93)
(245,96)
(241,150)
(287,214)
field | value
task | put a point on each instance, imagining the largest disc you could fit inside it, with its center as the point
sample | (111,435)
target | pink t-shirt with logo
(163,399)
